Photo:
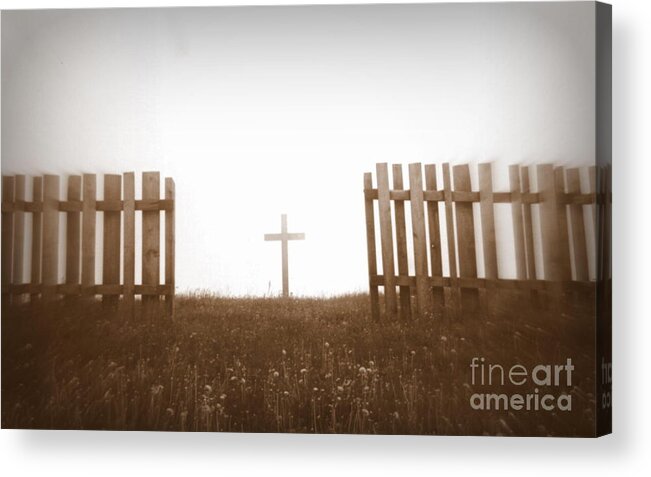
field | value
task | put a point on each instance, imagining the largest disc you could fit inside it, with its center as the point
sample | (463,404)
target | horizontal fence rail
(559,197)
(118,244)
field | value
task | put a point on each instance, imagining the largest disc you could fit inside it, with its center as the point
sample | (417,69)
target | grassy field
(281,365)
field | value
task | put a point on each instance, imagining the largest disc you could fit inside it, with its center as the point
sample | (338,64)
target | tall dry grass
(282,365)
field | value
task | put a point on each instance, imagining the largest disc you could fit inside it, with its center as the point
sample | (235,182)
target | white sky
(259,111)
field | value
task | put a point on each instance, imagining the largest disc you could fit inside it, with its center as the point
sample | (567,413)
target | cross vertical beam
(285,253)
(284,237)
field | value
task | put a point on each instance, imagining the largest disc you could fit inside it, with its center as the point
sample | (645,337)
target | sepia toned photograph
(350,219)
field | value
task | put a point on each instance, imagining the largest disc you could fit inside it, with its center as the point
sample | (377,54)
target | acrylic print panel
(386,219)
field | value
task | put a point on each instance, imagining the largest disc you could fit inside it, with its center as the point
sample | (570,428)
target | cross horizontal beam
(271,237)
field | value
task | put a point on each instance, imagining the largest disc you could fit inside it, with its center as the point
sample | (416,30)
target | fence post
(170,246)
(386,235)
(401,245)
(7,236)
(416,198)
(370,246)
(434,228)
(50,236)
(150,241)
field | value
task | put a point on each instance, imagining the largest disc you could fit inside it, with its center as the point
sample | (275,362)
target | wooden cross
(284,238)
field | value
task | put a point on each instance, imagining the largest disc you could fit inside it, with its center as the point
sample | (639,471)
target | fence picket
(19,232)
(578,227)
(423,295)
(88,232)
(37,227)
(7,236)
(487,220)
(129,249)
(401,244)
(170,246)
(592,182)
(386,238)
(50,236)
(73,233)
(489,245)
(453,293)
(150,240)
(548,222)
(112,232)
(434,229)
(518,227)
(528,226)
(564,264)
(466,229)
(370,246)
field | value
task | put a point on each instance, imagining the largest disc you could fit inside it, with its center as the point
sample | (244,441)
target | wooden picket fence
(559,197)
(118,207)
